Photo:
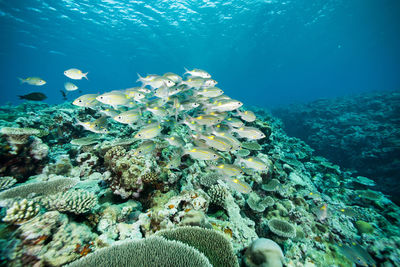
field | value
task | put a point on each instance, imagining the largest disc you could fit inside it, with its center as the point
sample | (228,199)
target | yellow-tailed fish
(109,112)
(247,115)
(225,105)
(175,141)
(207,120)
(173,77)
(87,101)
(149,131)
(188,105)
(238,185)
(251,133)
(134,93)
(97,126)
(75,74)
(236,144)
(217,142)
(114,98)
(228,170)
(128,117)
(209,83)
(33,81)
(209,92)
(158,111)
(202,153)
(70,86)
(234,122)
(253,163)
(146,147)
(148,78)
(195,82)
(198,73)
(159,82)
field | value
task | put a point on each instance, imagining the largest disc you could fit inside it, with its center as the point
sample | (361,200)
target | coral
(18,136)
(257,204)
(72,201)
(153,251)
(21,211)
(212,244)
(39,150)
(271,186)
(264,252)
(282,228)
(218,194)
(251,145)
(364,227)
(39,188)
(6,182)
(208,179)
(194,218)
(131,172)
(62,166)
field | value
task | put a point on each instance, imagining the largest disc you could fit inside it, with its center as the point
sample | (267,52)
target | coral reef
(359,132)
(21,211)
(6,182)
(282,228)
(264,252)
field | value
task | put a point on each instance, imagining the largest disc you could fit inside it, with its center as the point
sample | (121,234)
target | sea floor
(69,195)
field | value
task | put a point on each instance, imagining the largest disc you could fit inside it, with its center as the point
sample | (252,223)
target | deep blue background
(265,53)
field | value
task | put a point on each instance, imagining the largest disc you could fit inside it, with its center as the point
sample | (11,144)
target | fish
(197,73)
(356,254)
(173,77)
(175,141)
(33,81)
(247,115)
(135,93)
(64,95)
(97,126)
(225,105)
(216,142)
(234,122)
(238,185)
(253,163)
(149,131)
(75,74)
(146,79)
(87,101)
(206,119)
(109,112)
(209,92)
(146,147)
(202,153)
(210,83)
(250,133)
(128,117)
(321,212)
(195,82)
(228,170)
(159,82)
(35,96)
(70,86)
(113,98)
(158,111)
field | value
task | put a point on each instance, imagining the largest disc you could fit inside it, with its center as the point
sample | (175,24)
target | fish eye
(119,117)
(79,101)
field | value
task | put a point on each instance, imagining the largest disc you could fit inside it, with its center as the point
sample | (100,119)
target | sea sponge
(214,245)
(6,182)
(39,188)
(364,227)
(218,194)
(264,252)
(282,228)
(72,201)
(257,204)
(21,211)
(152,251)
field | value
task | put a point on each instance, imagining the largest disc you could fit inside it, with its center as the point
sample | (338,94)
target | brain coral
(153,251)
(282,228)
(212,244)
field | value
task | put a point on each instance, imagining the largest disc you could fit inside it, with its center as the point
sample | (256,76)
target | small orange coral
(171,206)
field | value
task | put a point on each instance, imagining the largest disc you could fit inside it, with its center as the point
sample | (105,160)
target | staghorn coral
(218,194)
(153,251)
(6,182)
(258,204)
(21,211)
(282,228)
(130,172)
(214,245)
(39,188)
(72,201)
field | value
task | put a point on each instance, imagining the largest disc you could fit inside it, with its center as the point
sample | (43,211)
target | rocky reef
(358,132)
(92,200)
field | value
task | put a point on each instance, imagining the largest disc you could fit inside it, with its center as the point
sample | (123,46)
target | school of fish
(213,121)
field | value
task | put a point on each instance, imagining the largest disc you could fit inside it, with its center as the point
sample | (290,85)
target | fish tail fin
(21,97)
(140,79)
(186,70)
(85,75)
(21,80)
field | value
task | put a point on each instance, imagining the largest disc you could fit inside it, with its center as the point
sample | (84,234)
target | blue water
(266,53)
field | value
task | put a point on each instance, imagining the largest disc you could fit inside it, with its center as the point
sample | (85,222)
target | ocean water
(266,53)
(292,160)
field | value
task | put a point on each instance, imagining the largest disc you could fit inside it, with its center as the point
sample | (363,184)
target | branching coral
(72,201)
(6,182)
(153,251)
(21,211)
(218,194)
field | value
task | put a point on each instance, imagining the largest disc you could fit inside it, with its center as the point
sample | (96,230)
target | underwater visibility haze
(200,133)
